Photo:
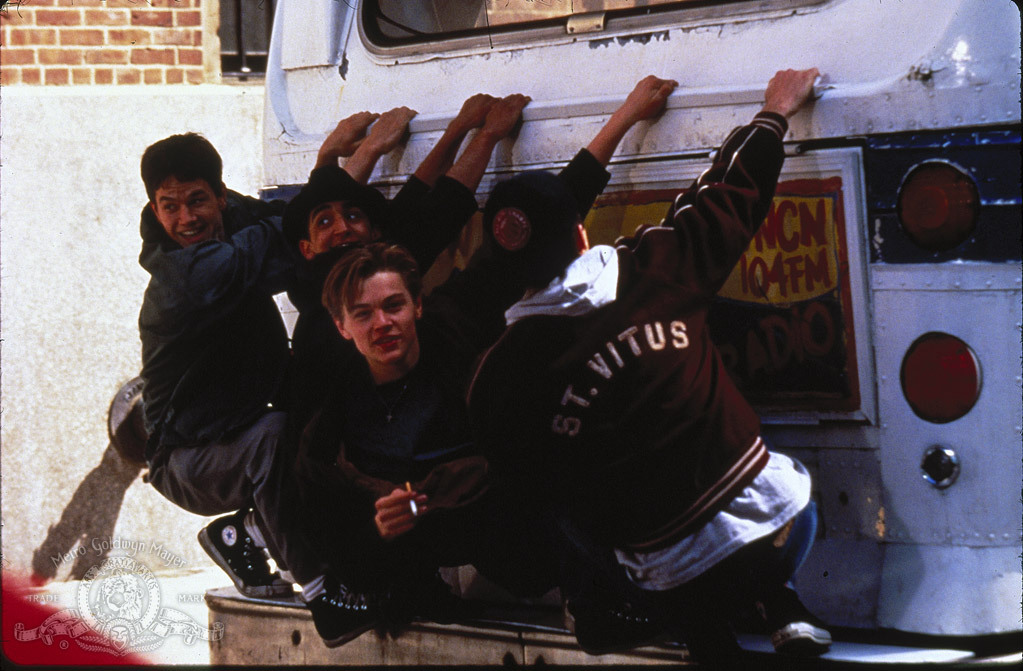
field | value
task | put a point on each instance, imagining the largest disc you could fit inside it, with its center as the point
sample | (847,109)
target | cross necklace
(390,407)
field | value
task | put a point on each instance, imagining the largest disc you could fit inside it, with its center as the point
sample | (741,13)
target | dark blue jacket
(214,346)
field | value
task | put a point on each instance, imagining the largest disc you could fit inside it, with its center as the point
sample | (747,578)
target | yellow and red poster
(783,321)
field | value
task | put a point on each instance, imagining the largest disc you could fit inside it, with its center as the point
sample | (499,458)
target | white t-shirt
(774,497)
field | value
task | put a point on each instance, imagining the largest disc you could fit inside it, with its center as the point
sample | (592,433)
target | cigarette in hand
(412,503)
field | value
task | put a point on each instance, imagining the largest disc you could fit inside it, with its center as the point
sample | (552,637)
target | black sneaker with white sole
(341,615)
(227,542)
(794,629)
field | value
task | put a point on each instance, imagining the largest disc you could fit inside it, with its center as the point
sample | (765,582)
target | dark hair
(186,157)
(361,263)
(530,221)
(327,184)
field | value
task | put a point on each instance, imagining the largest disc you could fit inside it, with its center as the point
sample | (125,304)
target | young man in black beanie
(606,399)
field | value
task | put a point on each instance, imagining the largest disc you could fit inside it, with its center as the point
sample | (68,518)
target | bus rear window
(397,22)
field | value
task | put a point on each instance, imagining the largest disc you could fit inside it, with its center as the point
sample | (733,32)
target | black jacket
(626,414)
(214,346)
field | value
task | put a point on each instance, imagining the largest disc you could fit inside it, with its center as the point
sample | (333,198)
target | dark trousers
(700,611)
(507,542)
(248,470)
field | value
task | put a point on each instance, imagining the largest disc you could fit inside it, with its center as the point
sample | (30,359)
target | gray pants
(250,470)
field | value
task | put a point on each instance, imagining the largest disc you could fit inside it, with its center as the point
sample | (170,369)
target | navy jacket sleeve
(212,276)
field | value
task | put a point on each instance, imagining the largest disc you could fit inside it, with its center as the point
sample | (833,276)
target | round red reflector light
(938,205)
(940,377)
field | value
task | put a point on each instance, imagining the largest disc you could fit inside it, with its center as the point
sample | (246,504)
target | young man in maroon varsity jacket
(606,398)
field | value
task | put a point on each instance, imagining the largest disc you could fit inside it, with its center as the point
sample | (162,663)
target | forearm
(441,157)
(469,168)
(603,146)
(360,165)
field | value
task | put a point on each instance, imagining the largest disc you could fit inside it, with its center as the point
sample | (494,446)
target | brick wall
(60,42)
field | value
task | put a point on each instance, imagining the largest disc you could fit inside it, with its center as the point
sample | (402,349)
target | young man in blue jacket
(606,399)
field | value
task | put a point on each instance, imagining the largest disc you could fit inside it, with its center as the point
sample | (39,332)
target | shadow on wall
(90,514)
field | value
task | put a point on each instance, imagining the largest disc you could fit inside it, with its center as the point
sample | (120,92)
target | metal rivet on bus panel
(991,537)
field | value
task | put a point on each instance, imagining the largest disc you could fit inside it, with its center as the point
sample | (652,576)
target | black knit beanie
(530,221)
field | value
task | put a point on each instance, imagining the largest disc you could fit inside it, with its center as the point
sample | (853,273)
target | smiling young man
(389,470)
(190,212)
(214,349)
(381,323)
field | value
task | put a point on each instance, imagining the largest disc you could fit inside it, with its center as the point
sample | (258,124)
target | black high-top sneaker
(604,625)
(341,615)
(227,542)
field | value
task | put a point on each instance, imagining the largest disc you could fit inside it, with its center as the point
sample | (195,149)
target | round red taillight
(938,205)
(940,377)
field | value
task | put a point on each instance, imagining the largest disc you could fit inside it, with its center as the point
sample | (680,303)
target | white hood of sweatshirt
(590,282)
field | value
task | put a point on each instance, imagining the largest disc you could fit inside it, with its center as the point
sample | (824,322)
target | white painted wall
(70,292)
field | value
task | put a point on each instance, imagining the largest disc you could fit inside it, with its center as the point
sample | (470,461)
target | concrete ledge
(281,632)
(278,632)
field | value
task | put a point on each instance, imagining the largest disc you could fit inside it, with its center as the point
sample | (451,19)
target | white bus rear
(875,320)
